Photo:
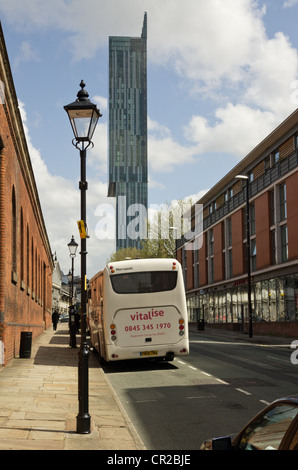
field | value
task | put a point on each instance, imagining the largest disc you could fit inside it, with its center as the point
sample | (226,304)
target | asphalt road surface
(212,392)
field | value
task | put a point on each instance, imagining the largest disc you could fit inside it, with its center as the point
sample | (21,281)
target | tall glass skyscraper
(128,168)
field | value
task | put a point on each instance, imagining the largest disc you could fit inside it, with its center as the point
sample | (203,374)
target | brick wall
(25,254)
(292,212)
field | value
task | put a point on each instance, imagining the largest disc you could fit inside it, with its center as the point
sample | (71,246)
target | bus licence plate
(149,353)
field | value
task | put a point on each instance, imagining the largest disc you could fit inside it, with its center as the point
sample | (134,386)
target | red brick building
(216,274)
(25,255)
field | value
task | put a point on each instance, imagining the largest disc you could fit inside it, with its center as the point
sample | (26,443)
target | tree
(168,223)
(126,253)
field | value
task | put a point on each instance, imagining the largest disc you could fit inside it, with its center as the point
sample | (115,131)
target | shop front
(274,302)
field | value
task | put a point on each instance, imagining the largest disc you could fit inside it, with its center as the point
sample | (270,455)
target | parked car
(274,428)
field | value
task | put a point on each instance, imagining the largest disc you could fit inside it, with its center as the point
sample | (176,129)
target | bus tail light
(181,327)
(113,332)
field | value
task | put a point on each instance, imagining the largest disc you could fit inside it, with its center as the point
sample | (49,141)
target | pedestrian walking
(55,318)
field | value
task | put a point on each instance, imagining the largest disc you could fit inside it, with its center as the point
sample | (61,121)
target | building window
(22,247)
(210,256)
(229,232)
(212,207)
(230,264)
(228,249)
(284,243)
(272,207)
(282,202)
(32,266)
(273,247)
(252,219)
(27,256)
(228,194)
(211,270)
(196,268)
(275,157)
(35,274)
(267,163)
(253,254)
(211,242)
(14,231)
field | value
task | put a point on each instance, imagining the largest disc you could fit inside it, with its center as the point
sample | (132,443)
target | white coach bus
(137,309)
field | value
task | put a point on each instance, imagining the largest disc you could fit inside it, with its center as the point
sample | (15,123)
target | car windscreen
(144,282)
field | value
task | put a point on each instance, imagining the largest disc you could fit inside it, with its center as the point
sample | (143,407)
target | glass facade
(128,168)
(273,300)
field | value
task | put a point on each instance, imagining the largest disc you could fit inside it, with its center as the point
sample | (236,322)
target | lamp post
(243,177)
(83,116)
(72,246)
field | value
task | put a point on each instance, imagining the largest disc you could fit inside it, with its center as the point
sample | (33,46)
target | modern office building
(216,275)
(128,180)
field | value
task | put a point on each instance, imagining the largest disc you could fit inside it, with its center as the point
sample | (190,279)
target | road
(212,392)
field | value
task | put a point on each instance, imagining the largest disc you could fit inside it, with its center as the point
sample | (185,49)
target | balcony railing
(270,176)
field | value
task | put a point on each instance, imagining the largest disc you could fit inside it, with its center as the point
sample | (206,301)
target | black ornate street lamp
(83,116)
(72,246)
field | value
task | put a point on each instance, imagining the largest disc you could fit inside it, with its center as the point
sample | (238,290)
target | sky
(222,74)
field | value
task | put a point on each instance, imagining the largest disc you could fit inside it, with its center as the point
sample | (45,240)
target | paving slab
(39,402)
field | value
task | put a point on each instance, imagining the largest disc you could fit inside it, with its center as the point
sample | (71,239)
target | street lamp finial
(82,94)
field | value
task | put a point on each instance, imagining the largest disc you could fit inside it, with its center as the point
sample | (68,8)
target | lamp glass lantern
(83,116)
(72,246)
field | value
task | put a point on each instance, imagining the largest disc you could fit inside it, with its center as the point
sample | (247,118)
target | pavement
(39,397)
(39,401)
(225,335)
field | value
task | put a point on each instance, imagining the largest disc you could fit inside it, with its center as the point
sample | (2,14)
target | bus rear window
(142,282)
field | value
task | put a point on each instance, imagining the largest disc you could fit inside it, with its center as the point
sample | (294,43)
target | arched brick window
(14,231)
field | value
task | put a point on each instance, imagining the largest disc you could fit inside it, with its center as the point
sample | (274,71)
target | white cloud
(194,38)
(153,184)
(290,3)
(236,131)
(164,152)
(98,156)
(60,202)
(26,54)
(101,101)
(206,41)
(212,44)
(219,50)
(270,84)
